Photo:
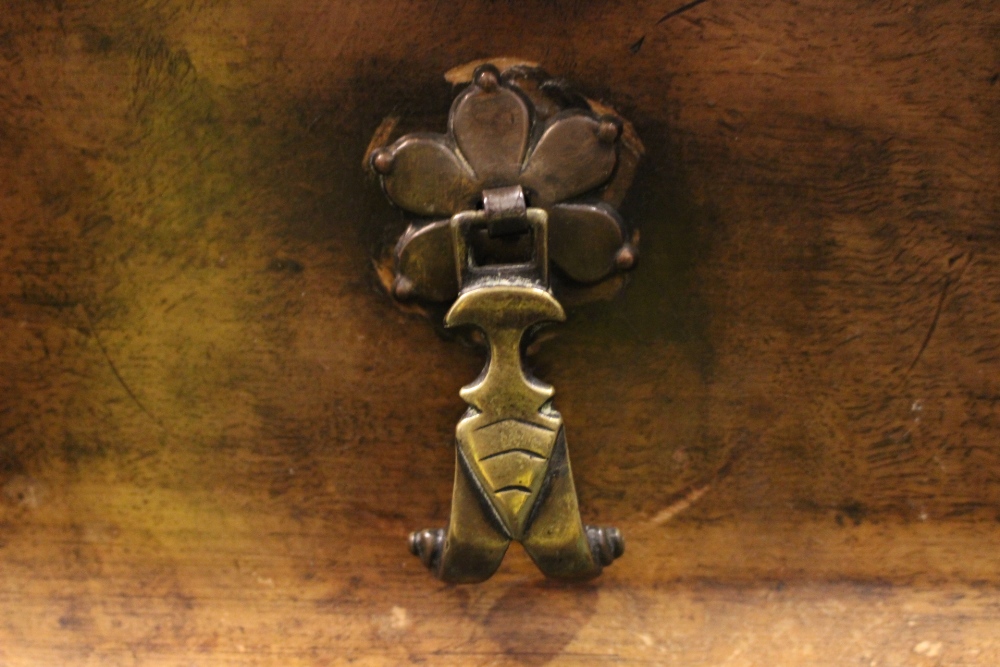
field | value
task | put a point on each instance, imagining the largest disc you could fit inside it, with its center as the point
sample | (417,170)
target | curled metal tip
(427,545)
(606,542)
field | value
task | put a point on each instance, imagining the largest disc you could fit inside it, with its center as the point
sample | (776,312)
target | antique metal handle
(528,176)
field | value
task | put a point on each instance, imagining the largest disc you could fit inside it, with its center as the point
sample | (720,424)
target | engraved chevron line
(518,450)
(526,422)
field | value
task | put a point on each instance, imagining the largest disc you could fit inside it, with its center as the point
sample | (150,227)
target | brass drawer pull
(525,180)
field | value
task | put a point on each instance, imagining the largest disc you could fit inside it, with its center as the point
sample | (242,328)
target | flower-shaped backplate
(513,129)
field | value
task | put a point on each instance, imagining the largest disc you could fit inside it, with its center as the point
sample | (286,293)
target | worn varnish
(216,430)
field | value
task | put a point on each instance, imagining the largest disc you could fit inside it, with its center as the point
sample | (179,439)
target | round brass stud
(626,257)
(487,78)
(382,161)
(608,131)
(402,288)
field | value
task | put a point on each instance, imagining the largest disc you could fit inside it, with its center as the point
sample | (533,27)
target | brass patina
(527,180)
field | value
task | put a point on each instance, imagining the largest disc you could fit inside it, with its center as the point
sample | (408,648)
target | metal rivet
(625,258)
(608,131)
(382,161)
(402,288)
(487,78)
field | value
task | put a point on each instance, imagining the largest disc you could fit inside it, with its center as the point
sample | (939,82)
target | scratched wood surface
(216,430)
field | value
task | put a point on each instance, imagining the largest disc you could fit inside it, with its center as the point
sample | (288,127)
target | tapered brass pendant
(523,181)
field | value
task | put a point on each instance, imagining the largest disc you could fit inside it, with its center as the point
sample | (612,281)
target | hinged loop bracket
(516,183)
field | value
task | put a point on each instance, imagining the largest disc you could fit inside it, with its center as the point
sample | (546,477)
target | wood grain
(216,430)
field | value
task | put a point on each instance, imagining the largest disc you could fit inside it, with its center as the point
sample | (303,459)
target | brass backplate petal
(491,130)
(568,160)
(427,178)
(584,240)
(425,258)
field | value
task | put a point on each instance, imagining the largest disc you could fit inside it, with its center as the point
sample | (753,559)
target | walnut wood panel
(216,429)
